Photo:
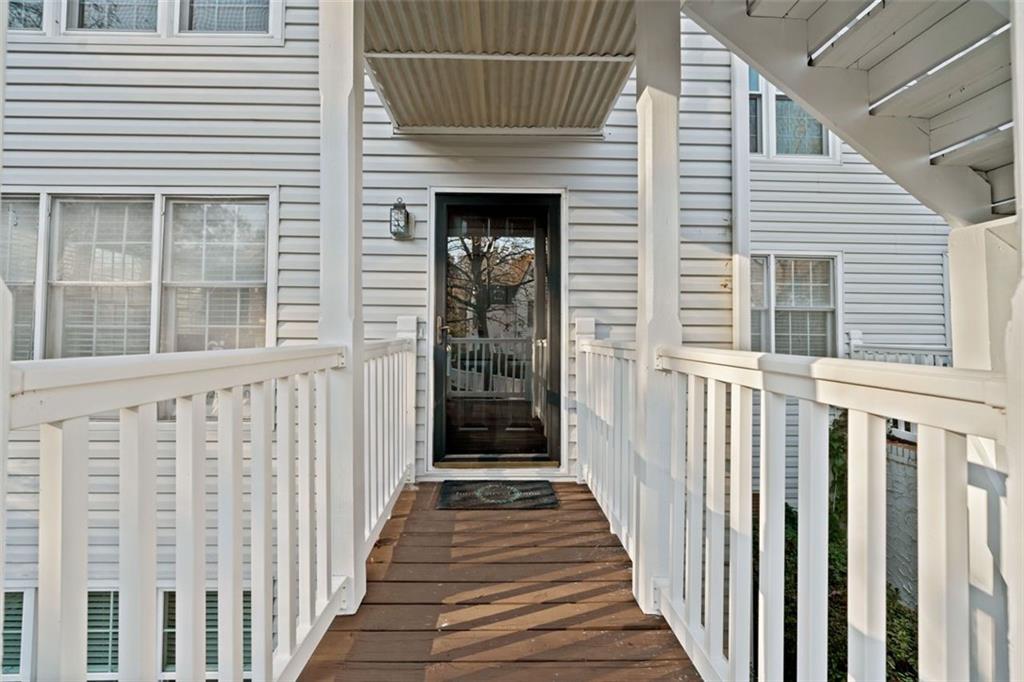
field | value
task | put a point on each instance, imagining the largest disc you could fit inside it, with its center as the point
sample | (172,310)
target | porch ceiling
(499,65)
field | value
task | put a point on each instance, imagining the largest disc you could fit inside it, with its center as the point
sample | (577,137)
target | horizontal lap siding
(599,177)
(166,116)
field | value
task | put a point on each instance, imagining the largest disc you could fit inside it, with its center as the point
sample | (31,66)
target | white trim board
(432,473)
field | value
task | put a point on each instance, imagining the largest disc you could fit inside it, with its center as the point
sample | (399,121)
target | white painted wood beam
(492,57)
(657,106)
(839,98)
(341,316)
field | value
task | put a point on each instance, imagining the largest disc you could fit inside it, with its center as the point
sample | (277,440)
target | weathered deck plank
(498,595)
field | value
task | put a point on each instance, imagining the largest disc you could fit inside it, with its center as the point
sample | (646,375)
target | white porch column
(657,109)
(1015,372)
(341,316)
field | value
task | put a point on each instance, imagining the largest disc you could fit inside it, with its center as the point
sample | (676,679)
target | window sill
(146,38)
(762,162)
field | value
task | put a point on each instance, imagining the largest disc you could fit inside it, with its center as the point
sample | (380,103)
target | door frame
(549,473)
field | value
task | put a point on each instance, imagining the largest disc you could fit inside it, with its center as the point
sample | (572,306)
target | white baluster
(229,534)
(63,549)
(262,528)
(190,528)
(323,499)
(866,581)
(812,542)
(137,617)
(740,531)
(944,623)
(772,536)
(715,596)
(286,522)
(695,496)
(307,533)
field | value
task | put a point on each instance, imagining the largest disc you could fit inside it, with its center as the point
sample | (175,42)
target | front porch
(502,595)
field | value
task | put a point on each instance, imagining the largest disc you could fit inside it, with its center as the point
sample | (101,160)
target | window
(779,127)
(94,283)
(101,632)
(113,15)
(100,281)
(793,305)
(226,16)
(19,236)
(25,15)
(14,617)
(168,625)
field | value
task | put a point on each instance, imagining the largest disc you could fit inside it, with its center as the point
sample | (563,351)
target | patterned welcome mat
(497,495)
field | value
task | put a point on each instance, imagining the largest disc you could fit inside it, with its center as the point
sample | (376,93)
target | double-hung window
(113,15)
(793,305)
(780,128)
(124,275)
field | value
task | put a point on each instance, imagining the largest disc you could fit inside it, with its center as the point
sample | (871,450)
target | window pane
(758,273)
(101,647)
(755,124)
(14,609)
(796,131)
(217,242)
(25,15)
(19,236)
(222,318)
(96,320)
(228,16)
(800,332)
(753,79)
(803,282)
(115,15)
(104,240)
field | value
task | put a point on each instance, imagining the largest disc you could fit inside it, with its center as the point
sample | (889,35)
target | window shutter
(14,617)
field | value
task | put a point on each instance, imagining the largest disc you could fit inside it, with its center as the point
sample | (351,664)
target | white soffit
(499,65)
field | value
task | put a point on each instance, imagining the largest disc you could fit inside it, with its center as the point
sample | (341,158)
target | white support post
(341,319)
(812,539)
(262,531)
(657,108)
(190,543)
(229,534)
(137,558)
(586,330)
(63,549)
(1014,550)
(6,350)
(408,326)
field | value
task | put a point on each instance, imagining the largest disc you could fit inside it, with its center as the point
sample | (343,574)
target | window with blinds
(101,632)
(113,15)
(19,238)
(100,277)
(226,16)
(14,618)
(215,275)
(168,634)
(793,305)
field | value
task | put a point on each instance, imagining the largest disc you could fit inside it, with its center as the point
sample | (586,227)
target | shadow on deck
(498,595)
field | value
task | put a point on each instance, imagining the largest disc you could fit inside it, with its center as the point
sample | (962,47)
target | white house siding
(172,116)
(599,177)
(890,248)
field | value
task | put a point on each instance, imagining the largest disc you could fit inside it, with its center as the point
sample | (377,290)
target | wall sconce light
(401,221)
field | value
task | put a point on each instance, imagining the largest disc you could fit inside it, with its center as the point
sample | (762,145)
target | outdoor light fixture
(401,221)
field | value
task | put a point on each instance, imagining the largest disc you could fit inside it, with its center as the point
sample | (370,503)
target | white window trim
(160,195)
(56,28)
(768,333)
(768,94)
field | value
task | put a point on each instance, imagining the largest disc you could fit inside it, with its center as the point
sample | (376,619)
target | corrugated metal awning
(499,65)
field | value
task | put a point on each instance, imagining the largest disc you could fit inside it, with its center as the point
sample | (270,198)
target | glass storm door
(492,330)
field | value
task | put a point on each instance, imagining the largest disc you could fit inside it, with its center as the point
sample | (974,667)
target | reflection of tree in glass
(490,285)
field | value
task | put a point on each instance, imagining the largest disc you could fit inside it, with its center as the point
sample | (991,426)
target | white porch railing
(711,524)
(490,368)
(272,409)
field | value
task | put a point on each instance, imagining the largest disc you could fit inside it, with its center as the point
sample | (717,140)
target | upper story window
(793,305)
(113,15)
(779,127)
(135,274)
(225,16)
(228,22)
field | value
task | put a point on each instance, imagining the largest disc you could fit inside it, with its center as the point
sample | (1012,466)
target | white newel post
(408,326)
(657,108)
(341,317)
(1015,374)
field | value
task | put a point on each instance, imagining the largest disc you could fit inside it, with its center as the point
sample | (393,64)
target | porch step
(525,595)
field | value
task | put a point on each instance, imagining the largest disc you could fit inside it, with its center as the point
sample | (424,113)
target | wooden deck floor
(498,595)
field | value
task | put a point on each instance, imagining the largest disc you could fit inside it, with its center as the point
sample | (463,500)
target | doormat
(497,495)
